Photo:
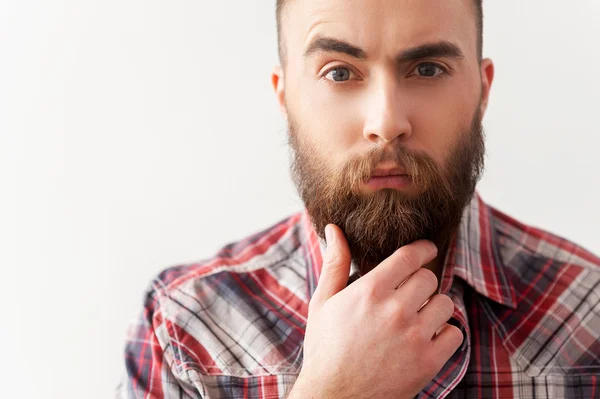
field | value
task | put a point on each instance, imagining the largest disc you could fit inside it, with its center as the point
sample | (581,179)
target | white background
(140,134)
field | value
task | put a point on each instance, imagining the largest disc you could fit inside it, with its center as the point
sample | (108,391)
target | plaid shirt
(527,301)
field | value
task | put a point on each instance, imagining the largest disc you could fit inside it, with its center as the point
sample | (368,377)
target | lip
(389,181)
(388,176)
(380,172)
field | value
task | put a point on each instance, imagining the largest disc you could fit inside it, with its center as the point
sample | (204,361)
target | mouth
(381,172)
(390,181)
(395,178)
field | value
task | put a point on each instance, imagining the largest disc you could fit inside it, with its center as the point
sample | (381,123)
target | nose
(386,114)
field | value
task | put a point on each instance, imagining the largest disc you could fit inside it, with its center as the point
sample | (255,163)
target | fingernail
(328,235)
(434,247)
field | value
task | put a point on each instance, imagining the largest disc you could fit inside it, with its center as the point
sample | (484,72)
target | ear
(487,76)
(277,80)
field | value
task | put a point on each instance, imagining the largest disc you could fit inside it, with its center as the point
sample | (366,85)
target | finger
(336,266)
(402,264)
(416,290)
(436,313)
(446,343)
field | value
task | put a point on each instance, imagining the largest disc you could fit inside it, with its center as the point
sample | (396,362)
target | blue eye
(429,70)
(339,74)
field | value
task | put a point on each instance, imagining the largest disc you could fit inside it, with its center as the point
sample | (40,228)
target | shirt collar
(472,255)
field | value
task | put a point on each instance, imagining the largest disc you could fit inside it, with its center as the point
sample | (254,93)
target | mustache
(420,166)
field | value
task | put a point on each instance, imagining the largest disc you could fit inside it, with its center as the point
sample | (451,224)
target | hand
(375,338)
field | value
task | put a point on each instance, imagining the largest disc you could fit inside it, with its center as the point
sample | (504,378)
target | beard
(377,224)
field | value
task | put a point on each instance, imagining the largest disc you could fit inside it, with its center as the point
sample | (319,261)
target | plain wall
(136,135)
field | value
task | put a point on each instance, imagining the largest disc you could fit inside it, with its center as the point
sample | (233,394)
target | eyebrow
(329,44)
(442,48)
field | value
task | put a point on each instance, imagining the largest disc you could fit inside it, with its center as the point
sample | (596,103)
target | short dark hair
(281,46)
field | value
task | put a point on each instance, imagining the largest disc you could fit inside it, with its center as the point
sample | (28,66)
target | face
(380,87)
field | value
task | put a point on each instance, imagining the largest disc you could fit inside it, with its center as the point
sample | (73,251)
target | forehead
(381,27)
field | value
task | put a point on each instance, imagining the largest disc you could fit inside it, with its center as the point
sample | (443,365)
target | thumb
(336,266)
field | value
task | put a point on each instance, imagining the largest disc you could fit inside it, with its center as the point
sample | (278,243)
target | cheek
(330,121)
(439,122)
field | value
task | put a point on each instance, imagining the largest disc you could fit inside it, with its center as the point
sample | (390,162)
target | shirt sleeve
(148,360)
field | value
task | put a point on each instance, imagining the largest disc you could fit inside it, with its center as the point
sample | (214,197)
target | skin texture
(381,105)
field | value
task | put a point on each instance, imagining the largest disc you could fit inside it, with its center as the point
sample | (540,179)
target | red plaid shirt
(527,301)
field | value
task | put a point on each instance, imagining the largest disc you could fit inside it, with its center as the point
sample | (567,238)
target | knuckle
(367,290)
(331,260)
(416,336)
(428,277)
(456,334)
(400,313)
(446,304)
(408,257)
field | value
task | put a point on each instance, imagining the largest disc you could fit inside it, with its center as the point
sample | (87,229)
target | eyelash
(445,71)
(333,82)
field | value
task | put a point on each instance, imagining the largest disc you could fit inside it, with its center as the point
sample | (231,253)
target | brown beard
(377,224)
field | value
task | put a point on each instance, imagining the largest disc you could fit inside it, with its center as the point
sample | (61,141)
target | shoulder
(542,263)
(522,244)
(554,329)
(241,312)
(259,250)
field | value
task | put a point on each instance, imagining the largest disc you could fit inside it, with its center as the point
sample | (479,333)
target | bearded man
(396,280)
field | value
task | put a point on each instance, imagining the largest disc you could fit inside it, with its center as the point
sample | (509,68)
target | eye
(429,70)
(338,74)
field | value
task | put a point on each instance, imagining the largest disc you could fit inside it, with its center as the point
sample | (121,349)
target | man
(397,280)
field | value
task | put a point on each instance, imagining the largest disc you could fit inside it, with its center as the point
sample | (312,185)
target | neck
(443,245)
(442,240)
